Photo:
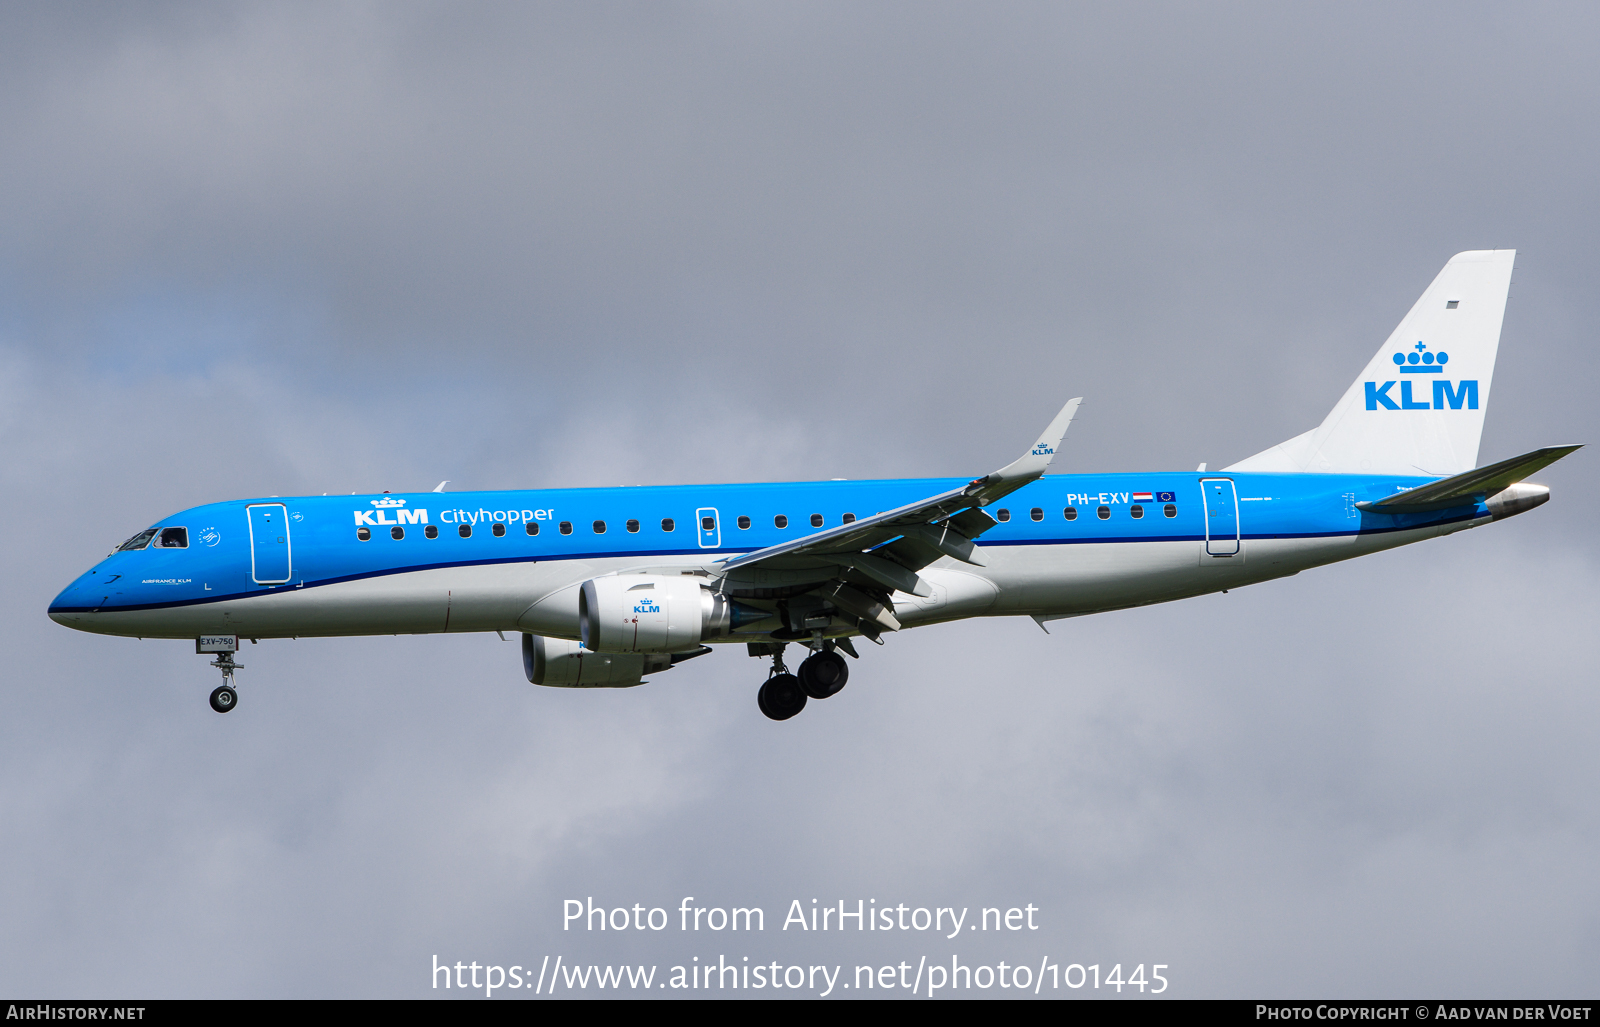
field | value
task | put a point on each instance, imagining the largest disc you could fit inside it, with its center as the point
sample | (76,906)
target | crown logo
(381,503)
(1421,360)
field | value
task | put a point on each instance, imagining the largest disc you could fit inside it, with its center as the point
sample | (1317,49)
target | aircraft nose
(76,601)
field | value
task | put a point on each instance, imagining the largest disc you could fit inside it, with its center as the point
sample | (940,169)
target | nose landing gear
(223,699)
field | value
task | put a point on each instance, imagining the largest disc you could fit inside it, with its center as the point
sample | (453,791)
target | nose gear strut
(225,698)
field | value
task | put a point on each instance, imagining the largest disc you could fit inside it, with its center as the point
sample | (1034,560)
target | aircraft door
(269,543)
(705,520)
(1222,516)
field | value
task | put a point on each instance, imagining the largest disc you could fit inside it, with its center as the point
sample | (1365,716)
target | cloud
(278,249)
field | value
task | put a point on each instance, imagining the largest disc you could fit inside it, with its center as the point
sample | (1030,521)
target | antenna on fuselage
(442,484)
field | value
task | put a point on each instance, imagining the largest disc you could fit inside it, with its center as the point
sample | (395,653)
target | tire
(824,674)
(781,697)
(224,699)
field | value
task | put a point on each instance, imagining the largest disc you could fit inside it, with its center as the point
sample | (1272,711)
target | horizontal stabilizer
(1469,486)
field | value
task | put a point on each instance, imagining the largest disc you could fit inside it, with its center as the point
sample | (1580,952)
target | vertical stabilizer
(1418,407)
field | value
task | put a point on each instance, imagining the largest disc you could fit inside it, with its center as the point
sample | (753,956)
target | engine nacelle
(656,613)
(566,664)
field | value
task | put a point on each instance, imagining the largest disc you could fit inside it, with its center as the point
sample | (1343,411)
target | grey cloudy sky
(295,248)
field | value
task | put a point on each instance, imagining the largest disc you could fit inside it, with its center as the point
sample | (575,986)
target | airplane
(608,585)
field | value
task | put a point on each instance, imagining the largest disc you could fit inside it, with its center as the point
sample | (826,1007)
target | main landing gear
(821,675)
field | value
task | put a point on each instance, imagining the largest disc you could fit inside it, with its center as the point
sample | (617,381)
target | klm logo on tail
(1446,395)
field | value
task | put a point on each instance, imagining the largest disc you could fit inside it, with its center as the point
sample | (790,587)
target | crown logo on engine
(1422,360)
(388,502)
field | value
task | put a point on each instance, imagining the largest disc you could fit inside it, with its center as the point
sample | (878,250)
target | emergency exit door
(710,528)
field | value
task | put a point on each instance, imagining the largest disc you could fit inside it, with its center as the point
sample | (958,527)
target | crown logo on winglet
(1422,360)
(388,502)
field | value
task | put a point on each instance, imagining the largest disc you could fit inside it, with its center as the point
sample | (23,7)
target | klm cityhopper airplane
(608,585)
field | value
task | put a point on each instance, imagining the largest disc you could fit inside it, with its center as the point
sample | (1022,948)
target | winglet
(1034,463)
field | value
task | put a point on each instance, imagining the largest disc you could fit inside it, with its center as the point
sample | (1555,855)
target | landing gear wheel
(781,697)
(824,674)
(224,699)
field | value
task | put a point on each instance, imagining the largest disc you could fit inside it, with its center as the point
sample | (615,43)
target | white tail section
(1418,407)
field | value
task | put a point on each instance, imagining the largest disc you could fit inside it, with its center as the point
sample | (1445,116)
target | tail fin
(1418,407)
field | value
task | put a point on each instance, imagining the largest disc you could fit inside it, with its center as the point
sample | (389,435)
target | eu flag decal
(1166,497)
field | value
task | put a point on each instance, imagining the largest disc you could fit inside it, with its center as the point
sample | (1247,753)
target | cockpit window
(138,541)
(173,538)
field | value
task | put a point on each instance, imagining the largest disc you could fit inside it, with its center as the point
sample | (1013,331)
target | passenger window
(138,541)
(397,533)
(1104,513)
(173,538)
(744,523)
(780,521)
(666,524)
(1004,515)
(633,525)
(531,527)
(1036,513)
(1070,513)
(816,520)
(364,534)
(1137,511)
(499,530)
(431,531)
(708,524)
(849,518)
(1170,510)
(465,531)
(566,527)
(599,527)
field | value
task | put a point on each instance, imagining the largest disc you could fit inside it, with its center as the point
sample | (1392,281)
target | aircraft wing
(1469,486)
(920,533)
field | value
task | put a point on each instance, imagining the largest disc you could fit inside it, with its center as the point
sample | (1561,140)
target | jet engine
(566,664)
(656,613)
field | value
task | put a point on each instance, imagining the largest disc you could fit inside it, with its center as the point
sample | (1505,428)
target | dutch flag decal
(1141,497)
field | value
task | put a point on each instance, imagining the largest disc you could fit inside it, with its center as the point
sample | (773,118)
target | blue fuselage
(243,551)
